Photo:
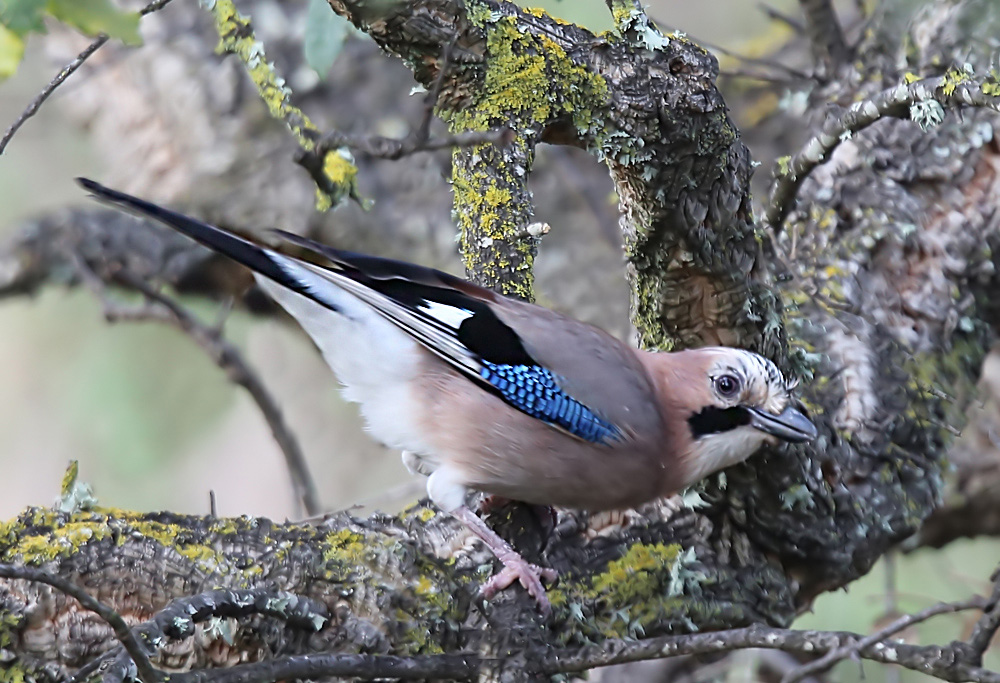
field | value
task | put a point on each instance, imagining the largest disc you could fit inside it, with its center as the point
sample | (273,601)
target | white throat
(714,452)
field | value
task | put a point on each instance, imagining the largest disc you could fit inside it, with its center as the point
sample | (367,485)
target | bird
(486,393)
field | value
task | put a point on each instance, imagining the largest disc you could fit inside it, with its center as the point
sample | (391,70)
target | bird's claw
(529,575)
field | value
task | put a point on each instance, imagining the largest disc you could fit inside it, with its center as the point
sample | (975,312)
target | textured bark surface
(876,293)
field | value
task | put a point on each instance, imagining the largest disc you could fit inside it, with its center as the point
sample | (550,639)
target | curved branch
(110,616)
(61,77)
(954,90)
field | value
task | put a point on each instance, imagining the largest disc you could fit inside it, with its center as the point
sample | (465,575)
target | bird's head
(723,404)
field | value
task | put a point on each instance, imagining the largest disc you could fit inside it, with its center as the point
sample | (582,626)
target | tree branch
(61,77)
(826,37)
(914,101)
(852,649)
(112,618)
(226,356)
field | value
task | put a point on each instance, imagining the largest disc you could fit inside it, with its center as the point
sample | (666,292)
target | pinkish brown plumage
(486,393)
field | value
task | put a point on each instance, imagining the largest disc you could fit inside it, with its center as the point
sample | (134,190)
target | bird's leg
(515,567)
(491,503)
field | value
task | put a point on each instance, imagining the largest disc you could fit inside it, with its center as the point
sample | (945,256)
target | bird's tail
(242,250)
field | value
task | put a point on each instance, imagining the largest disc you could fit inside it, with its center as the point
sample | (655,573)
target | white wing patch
(451,316)
(355,301)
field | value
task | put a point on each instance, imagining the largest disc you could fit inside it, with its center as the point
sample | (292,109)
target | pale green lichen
(75,494)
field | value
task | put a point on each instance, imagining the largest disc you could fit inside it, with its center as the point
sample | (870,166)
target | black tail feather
(235,247)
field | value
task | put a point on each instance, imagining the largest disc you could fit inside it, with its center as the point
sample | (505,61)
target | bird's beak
(791,425)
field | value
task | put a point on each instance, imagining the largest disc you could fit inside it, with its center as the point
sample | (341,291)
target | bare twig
(225,355)
(895,102)
(823,663)
(757,61)
(419,139)
(228,358)
(391,148)
(777,15)
(941,662)
(63,74)
(123,633)
(988,624)
(824,32)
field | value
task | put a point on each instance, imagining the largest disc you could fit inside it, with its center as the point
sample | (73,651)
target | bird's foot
(515,567)
(529,575)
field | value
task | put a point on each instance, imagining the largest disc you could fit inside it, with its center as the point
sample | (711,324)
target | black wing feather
(483,333)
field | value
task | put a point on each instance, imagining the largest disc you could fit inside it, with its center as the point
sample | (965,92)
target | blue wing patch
(534,390)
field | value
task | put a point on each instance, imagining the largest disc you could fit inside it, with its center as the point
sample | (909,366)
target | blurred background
(152,420)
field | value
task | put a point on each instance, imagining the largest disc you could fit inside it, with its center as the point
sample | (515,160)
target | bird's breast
(501,450)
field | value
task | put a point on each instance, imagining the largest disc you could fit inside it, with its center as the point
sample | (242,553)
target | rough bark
(876,292)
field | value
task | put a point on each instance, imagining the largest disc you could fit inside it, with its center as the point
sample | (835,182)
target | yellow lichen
(69,478)
(528,78)
(346,555)
(952,79)
(13,674)
(636,576)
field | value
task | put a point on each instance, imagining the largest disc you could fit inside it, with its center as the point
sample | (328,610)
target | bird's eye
(727,386)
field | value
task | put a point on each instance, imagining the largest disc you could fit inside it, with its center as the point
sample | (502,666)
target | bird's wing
(464,325)
(458,321)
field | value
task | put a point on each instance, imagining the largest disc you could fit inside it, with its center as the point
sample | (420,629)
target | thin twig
(225,355)
(392,148)
(892,102)
(988,624)
(63,74)
(759,61)
(823,663)
(145,670)
(824,32)
(419,139)
(779,16)
(937,661)
(228,358)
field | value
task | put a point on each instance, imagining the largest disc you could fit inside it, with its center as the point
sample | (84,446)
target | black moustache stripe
(712,420)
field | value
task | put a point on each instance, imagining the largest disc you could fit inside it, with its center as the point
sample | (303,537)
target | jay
(486,393)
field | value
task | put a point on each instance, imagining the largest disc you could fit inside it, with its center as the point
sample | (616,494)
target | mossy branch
(335,174)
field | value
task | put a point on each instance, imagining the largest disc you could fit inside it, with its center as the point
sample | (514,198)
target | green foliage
(18,18)
(94,17)
(11,52)
(325,35)
(22,16)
